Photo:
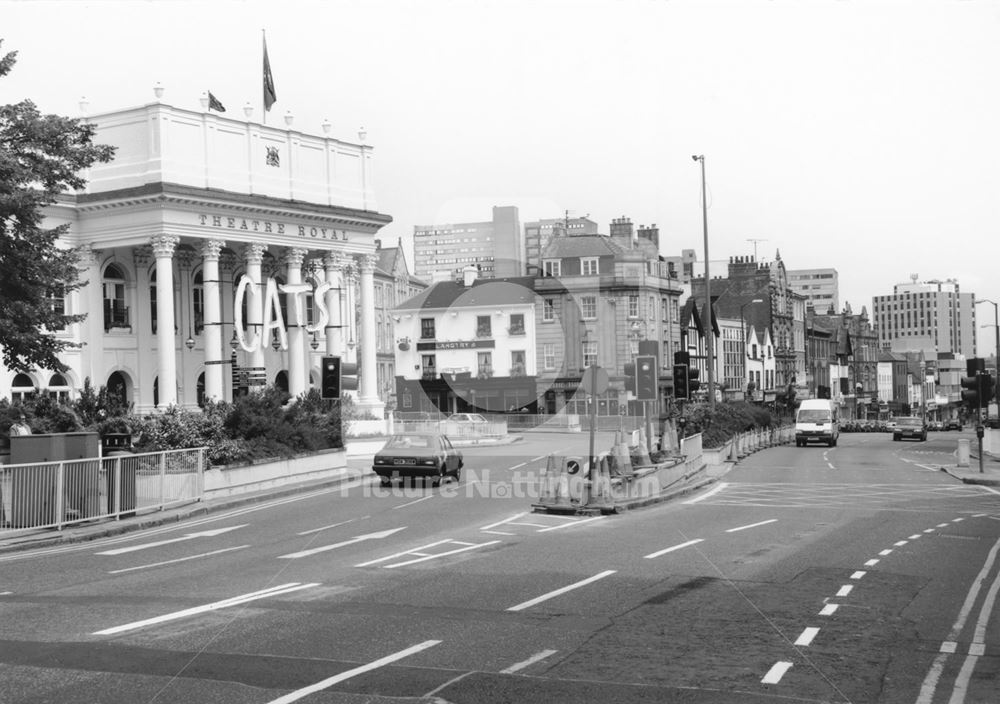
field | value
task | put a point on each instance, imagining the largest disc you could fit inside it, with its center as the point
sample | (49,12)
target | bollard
(963,453)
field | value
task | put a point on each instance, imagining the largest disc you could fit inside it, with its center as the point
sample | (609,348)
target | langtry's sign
(270,306)
(271,227)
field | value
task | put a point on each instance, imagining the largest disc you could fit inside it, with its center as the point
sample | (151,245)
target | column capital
(254,253)
(211,249)
(164,245)
(333,260)
(294,256)
(366,263)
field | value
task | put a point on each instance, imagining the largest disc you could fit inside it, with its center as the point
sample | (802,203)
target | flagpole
(263,105)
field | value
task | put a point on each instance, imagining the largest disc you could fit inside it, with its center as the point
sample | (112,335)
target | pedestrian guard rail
(70,492)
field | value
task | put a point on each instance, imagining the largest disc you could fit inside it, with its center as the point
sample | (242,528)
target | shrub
(726,421)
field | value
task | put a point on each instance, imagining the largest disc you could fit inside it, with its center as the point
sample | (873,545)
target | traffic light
(680,380)
(970,391)
(630,376)
(337,376)
(986,389)
(692,381)
(645,378)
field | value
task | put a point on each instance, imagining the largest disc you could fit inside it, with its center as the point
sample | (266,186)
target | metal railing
(58,494)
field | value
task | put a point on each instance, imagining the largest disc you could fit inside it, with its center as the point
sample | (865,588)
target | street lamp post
(709,356)
(996,350)
(743,333)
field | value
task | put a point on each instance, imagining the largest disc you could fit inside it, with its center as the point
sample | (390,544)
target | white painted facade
(194,203)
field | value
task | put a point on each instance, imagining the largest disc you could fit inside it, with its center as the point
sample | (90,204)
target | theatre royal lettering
(271,227)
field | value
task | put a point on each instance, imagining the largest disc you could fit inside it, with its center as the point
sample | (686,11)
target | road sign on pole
(595,380)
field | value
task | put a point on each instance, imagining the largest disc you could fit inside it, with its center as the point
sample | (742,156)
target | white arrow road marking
(189,536)
(320,686)
(324,548)
(235,601)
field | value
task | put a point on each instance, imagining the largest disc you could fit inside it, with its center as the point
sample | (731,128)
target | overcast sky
(863,136)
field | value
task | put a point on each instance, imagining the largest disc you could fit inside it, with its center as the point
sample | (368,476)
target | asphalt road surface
(859,573)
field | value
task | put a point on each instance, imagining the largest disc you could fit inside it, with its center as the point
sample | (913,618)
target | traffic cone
(600,490)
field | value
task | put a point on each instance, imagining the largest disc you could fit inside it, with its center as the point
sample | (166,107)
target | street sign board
(595,380)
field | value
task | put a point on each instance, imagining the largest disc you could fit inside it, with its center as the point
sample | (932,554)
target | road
(859,573)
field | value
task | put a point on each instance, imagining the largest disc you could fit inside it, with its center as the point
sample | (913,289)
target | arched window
(22,389)
(198,302)
(115,310)
(118,387)
(281,381)
(58,388)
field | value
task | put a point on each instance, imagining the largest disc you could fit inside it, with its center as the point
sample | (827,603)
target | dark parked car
(910,428)
(953,424)
(417,455)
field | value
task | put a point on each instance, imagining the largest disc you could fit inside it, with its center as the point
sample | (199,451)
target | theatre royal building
(218,254)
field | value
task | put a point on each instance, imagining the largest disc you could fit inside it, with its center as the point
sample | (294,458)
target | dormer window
(552,267)
(588,266)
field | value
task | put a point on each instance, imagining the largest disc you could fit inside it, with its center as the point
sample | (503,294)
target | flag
(270,97)
(214,104)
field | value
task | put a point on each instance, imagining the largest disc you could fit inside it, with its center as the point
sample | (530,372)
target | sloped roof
(387,260)
(581,246)
(515,290)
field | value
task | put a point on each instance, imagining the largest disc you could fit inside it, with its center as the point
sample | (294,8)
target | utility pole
(709,353)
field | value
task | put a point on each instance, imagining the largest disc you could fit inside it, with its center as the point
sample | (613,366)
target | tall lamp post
(996,350)
(743,332)
(709,355)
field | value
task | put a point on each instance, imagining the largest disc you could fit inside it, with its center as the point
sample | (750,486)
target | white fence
(58,494)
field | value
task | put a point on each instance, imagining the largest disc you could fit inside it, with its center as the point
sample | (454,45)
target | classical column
(254,255)
(296,323)
(349,279)
(210,252)
(163,250)
(333,262)
(368,367)
(91,300)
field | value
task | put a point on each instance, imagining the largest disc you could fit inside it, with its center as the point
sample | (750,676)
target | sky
(862,136)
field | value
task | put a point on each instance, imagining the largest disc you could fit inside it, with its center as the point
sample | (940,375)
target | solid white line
(441,554)
(574,523)
(415,501)
(651,555)
(234,601)
(405,552)
(498,532)
(978,646)
(829,609)
(752,525)
(374,665)
(179,559)
(859,574)
(545,597)
(530,661)
(776,672)
(707,494)
(845,590)
(807,636)
(500,523)
(531,525)
(332,525)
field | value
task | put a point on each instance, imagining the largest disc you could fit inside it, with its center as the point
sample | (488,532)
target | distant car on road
(935,425)
(912,427)
(953,424)
(417,455)
(467,418)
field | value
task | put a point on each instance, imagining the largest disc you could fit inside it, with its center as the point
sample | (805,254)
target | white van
(817,420)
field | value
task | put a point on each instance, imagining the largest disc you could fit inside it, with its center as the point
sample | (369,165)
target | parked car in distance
(953,424)
(911,427)
(464,418)
(935,425)
(417,455)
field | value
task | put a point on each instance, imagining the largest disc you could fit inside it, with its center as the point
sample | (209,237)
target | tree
(41,157)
